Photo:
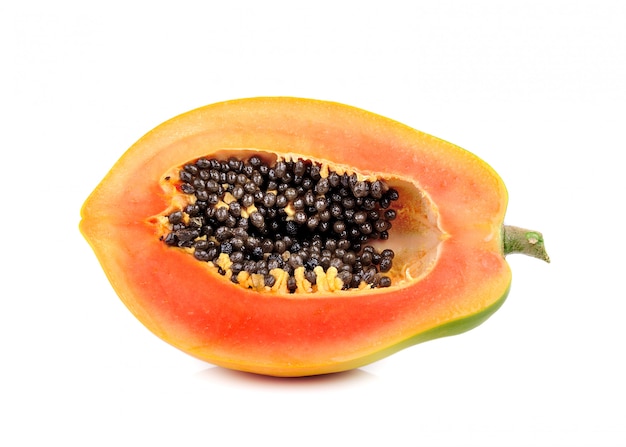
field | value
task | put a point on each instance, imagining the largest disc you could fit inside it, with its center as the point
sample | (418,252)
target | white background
(536,88)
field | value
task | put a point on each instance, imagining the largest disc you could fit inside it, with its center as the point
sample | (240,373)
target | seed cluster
(286,215)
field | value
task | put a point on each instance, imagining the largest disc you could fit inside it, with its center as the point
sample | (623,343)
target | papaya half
(414,247)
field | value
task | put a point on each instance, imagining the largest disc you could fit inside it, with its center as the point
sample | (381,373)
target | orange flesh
(198,311)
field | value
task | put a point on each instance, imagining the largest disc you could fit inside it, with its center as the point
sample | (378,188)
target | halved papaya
(447,238)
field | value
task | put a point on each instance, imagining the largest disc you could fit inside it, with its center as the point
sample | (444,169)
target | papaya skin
(196,310)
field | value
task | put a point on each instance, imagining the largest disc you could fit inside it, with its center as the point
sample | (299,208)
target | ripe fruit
(214,231)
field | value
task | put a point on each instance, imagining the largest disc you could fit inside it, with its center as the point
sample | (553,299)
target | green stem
(527,242)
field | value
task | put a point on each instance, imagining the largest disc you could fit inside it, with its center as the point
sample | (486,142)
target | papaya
(293,237)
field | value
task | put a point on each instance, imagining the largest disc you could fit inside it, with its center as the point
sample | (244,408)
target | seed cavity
(292,226)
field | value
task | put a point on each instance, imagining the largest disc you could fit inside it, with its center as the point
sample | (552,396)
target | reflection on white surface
(237,378)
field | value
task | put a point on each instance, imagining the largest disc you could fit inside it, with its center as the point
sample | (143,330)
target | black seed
(257,252)
(377,189)
(390,214)
(312,222)
(269,200)
(249,266)
(349,258)
(309,199)
(325,262)
(366,228)
(235,164)
(288,178)
(366,258)
(385,264)
(187,188)
(195,222)
(171,239)
(175,217)
(249,187)
(258,196)
(356,280)
(257,219)
(280,246)
(368,275)
(236,267)
(322,186)
(311,263)
(307,183)
(269,280)
(295,246)
(291,194)
(202,196)
(257,178)
(274,264)
(381,225)
(339,226)
(236,256)
(299,168)
(238,192)
(223,233)
(221,214)
(212,253)
(235,209)
(212,186)
(314,171)
(369,203)
(310,277)
(333,180)
(237,243)
(280,169)
(201,255)
(226,247)
(213,199)
(295,261)
(291,227)
(393,194)
(325,215)
(387,253)
(203,163)
(336,210)
(360,189)
(247,200)
(281,201)
(186,234)
(336,262)
(360,217)
(291,284)
(352,180)
(267,245)
(300,217)
(185,176)
(298,203)
(384,281)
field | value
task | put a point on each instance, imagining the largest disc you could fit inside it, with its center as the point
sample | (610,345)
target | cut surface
(451,208)
(288,225)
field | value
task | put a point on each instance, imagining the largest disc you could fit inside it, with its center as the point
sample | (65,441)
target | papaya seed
(255,214)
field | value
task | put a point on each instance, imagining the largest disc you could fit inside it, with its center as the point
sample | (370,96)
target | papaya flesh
(449,271)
